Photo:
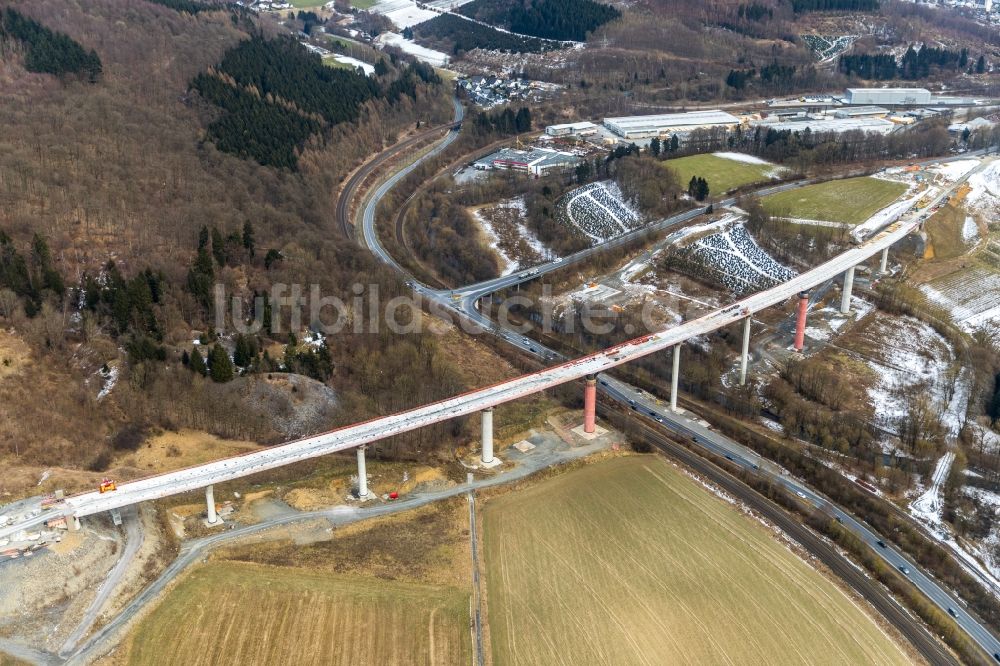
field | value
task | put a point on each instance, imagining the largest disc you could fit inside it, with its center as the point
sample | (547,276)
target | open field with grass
(851,201)
(721,173)
(630,561)
(238,613)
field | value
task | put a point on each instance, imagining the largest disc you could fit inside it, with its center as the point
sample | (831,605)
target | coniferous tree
(197,363)
(248,238)
(245,351)
(218,247)
(220,367)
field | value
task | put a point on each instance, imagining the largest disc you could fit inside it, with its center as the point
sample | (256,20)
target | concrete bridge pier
(674,376)
(487,453)
(884,264)
(362,474)
(590,404)
(745,357)
(210,501)
(800,322)
(74,523)
(845,295)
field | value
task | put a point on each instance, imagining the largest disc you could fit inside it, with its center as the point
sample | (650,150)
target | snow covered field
(599,210)
(985,193)
(511,259)
(952,171)
(354,62)
(734,259)
(430,56)
(404,13)
(912,356)
(972,296)
(741,157)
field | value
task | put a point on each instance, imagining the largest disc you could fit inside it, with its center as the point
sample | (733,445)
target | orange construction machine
(107,485)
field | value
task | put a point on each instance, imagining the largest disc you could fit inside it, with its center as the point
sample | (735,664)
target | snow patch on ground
(741,157)
(354,62)
(918,358)
(404,13)
(928,506)
(110,379)
(970,230)
(988,549)
(952,171)
(695,229)
(511,264)
(507,263)
(885,217)
(985,193)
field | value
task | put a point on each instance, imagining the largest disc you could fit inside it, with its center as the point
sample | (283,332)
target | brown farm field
(240,613)
(630,561)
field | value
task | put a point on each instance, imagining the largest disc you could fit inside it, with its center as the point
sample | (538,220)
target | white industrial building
(887,96)
(536,161)
(862,112)
(584,128)
(836,125)
(644,127)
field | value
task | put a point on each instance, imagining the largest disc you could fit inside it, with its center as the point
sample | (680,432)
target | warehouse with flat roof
(584,128)
(861,112)
(835,125)
(890,96)
(536,161)
(644,127)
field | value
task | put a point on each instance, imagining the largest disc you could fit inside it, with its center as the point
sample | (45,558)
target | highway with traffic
(352,436)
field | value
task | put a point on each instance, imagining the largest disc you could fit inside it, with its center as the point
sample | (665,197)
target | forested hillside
(118,218)
(455,34)
(550,19)
(46,51)
(276,95)
(916,63)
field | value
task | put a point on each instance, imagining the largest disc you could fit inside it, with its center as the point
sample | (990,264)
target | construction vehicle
(108,485)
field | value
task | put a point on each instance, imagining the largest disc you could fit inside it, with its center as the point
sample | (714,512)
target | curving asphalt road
(463,300)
